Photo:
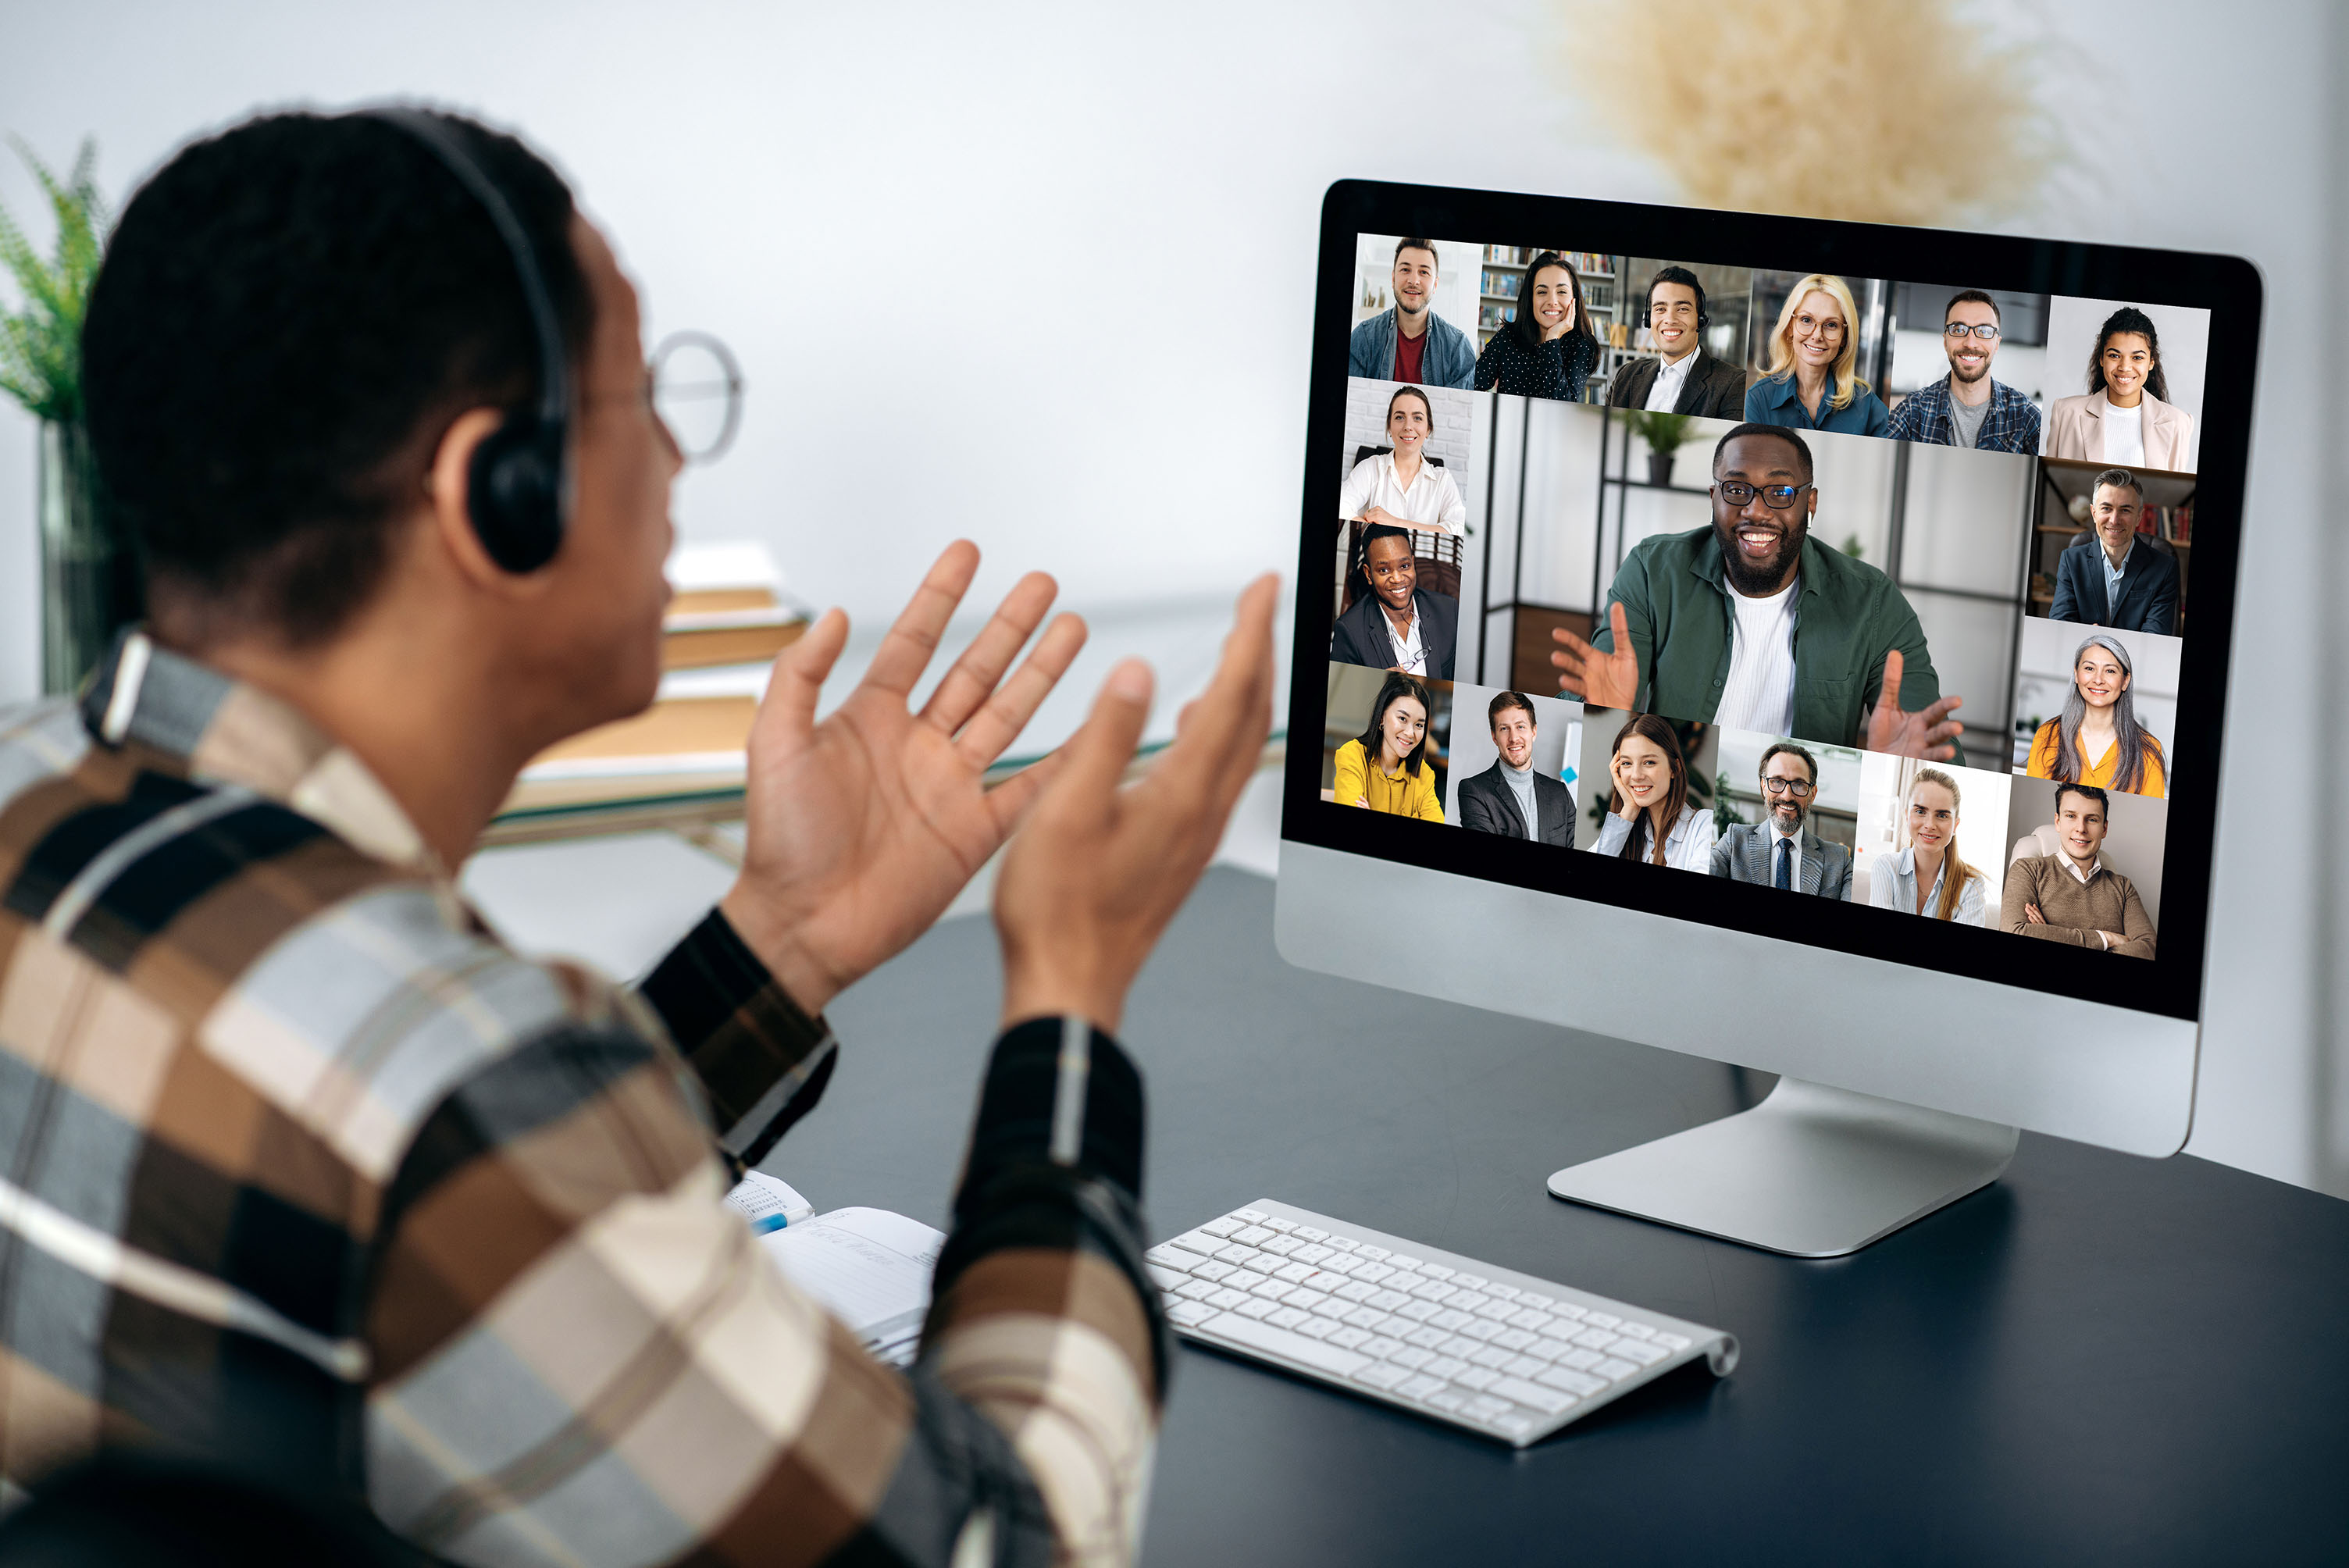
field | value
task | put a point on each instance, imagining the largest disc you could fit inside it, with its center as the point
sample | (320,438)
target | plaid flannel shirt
(307,1173)
(2011,425)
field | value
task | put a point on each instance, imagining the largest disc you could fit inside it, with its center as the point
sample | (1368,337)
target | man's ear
(452,520)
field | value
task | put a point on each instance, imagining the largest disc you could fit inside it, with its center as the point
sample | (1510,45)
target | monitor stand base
(1811,1172)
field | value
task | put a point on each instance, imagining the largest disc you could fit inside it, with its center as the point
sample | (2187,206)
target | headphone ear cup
(513,492)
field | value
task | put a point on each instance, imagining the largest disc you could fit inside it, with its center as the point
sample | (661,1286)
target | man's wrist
(773,938)
(1028,994)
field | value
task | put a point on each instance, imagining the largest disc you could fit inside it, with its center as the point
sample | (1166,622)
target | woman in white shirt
(1648,817)
(1402,489)
(2125,419)
(1928,877)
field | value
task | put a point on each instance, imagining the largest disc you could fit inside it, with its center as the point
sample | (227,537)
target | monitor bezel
(2172,984)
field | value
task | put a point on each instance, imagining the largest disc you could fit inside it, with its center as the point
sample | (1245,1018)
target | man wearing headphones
(1682,378)
(309,1178)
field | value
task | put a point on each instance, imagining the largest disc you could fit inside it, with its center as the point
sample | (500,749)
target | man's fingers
(975,676)
(1007,712)
(1095,758)
(1620,624)
(1229,721)
(1887,695)
(906,652)
(1569,642)
(787,713)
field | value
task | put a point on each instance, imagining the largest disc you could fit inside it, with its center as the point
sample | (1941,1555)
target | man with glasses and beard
(1783,852)
(1702,624)
(1966,408)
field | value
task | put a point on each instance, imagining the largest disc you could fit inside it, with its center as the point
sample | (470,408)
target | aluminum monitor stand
(1811,1172)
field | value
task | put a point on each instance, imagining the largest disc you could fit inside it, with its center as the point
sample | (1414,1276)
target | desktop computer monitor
(1800,644)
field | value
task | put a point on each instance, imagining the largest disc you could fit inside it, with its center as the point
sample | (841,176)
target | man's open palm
(1924,733)
(1601,679)
(862,829)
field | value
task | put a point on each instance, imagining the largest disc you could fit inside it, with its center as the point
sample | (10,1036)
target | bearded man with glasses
(1783,852)
(1754,625)
(1966,408)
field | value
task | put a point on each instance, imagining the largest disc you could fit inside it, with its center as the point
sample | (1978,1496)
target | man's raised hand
(1920,734)
(862,829)
(1603,680)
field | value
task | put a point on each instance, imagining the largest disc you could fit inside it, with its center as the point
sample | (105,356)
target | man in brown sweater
(2071,896)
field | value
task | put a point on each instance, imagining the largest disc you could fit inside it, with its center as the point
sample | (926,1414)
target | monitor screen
(1858,587)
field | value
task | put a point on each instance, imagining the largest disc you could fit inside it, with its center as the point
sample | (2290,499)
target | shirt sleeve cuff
(1061,1093)
(762,1062)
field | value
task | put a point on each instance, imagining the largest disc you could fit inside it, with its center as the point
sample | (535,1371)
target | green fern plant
(40,344)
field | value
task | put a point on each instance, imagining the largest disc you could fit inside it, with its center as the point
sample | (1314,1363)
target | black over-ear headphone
(518,486)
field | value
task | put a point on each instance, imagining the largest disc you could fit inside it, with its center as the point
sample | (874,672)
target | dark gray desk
(2100,1360)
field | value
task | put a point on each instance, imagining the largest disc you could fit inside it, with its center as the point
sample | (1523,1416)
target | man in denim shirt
(1408,341)
(1966,408)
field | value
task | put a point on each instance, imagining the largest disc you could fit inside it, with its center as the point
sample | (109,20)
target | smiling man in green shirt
(1754,625)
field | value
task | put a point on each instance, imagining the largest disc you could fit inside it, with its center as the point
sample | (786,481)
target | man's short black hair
(1777,433)
(1810,763)
(1972,296)
(1504,701)
(2104,801)
(2118,478)
(1410,244)
(289,316)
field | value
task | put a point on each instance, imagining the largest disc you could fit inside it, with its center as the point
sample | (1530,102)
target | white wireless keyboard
(1501,1353)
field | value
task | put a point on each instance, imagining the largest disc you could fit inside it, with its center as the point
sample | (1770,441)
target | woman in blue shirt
(1810,384)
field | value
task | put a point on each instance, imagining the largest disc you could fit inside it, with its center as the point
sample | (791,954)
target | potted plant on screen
(89,583)
(1663,433)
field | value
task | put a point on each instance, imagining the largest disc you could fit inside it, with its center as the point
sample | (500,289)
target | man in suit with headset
(315,1182)
(1680,378)
(1783,852)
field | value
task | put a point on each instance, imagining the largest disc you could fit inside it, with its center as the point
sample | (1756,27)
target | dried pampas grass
(1897,111)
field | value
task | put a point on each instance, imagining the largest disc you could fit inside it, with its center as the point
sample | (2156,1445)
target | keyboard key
(1172,1279)
(1640,1351)
(1612,1368)
(1387,1300)
(1365,1316)
(1372,1272)
(1532,1298)
(1484,1329)
(1374,1253)
(1600,1319)
(1307,1298)
(1673,1341)
(1513,1424)
(1524,1366)
(1378,1375)
(1412,1357)
(1342,1244)
(1254,1306)
(1514,1339)
(1330,1308)
(1492,1356)
(1427,1335)
(1417,1311)
(1488,1405)
(1226,1296)
(1250,1216)
(1469,1281)
(1254,1236)
(1459,1346)
(1567,1309)
(1283,1226)
(1505,1291)
(1419,1387)
(1317,1328)
(1343,1264)
(1170,1256)
(1445,1367)
(1584,1359)
(1595,1338)
(1433,1289)
(1634,1330)
(1311,1234)
(1293,1273)
(1271,1289)
(1451,1318)
(1446,1399)
(1396,1260)
(1208,1268)
(1573,1382)
(1401,1327)
(1233,1252)
(1476,1377)
(1289,1318)
(1310,1253)
(1282,1246)
(1548,1401)
(1346,1338)
(1189,1313)
(1528,1318)
(1435,1271)
(1363,1290)
(1263,1337)
(1496,1310)
(1199,1242)
(1225,1228)
(1466,1300)
(1198,1290)
(1549,1349)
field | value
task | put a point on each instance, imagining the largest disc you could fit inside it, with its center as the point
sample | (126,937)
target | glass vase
(89,582)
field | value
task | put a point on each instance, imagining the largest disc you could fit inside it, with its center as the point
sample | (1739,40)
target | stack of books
(728,619)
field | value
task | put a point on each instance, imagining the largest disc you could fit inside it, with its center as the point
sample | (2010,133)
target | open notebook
(869,1267)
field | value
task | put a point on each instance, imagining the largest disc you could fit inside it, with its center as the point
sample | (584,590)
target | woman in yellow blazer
(2126,418)
(2095,740)
(1402,783)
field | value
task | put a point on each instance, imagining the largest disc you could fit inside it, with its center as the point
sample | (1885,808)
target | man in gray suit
(1513,795)
(1784,851)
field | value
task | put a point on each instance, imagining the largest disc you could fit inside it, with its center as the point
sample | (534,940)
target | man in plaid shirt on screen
(308,1178)
(1969,408)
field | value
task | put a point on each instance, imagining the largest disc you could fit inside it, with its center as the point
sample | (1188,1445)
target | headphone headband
(520,485)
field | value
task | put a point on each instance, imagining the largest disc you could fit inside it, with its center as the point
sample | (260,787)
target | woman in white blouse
(1402,489)
(1648,817)
(2125,419)
(1928,877)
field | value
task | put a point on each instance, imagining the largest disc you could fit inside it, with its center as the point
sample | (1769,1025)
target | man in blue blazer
(2113,575)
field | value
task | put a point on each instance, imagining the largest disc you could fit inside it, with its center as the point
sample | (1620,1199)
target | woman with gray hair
(2096,740)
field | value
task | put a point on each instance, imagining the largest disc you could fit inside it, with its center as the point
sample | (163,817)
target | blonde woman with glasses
(1810,384)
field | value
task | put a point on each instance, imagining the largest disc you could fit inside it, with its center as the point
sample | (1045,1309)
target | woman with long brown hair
(1648,817)
(1547,348)
(1929,877)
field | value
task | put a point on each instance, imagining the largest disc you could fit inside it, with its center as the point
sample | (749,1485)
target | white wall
(1108,193)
